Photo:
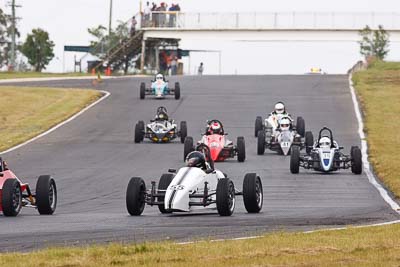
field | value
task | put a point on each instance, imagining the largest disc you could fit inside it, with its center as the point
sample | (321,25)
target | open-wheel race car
(325,156)
(16,194)
(160,88)
(161,129)
(221,147)
(197,186)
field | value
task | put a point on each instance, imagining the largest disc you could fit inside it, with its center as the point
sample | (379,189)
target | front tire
(139,132)
(295,160)
(252,193)
(11,199)
(46,195)
(225,197)
(261,142)
(135,196)
(183,131)
(356,166)
(309,142)
(188,146)
(163,184)
(142,90)
(177,91)
(258,125)
(300,126)
(241,149)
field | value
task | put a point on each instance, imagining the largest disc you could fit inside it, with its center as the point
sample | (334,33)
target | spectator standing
(146,13)
(174,65)
(133,26)
(172,15)
(162,10)
(200,69)
(154,16)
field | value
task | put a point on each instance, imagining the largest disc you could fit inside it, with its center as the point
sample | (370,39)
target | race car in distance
(325,156)
(160,88)
(220,147)
(161,129)
(197,186)
(15,194)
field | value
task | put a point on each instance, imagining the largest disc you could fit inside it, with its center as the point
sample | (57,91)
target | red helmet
(215,128)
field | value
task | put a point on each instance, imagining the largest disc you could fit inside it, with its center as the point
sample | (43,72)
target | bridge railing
(273,21)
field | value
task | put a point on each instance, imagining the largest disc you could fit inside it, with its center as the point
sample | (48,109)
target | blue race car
(159,88)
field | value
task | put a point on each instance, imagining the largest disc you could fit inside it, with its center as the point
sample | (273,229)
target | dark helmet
(196,159)
(162,113)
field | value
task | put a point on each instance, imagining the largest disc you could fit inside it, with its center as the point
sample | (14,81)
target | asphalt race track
(93,157)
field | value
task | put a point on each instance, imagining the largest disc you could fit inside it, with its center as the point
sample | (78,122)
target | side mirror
(209,171)
(1,174)
(341,147)
(172,170)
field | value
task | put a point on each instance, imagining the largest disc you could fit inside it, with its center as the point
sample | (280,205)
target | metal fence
(271,21)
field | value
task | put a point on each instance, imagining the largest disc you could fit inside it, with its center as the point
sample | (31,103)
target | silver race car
(160,88)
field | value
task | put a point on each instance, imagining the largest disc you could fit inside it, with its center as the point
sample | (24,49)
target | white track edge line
(105,95)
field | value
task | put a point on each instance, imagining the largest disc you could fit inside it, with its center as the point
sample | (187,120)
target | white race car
(160,88)
(197,186)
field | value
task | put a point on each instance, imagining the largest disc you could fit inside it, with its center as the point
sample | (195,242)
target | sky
(67,22)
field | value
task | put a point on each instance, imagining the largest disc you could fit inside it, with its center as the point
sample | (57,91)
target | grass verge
(19,75)
(377,246)
(378,89)
(27,112)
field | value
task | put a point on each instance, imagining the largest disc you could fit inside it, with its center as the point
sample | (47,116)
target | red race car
(220,147)
(14,194)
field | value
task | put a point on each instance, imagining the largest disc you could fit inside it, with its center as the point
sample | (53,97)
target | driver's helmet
(162,113)
(196,159)
(284,124)
(215,128)
(279,108)
(325,142)
(159,77)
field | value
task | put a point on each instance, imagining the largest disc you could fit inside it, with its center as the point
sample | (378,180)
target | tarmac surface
(93,157)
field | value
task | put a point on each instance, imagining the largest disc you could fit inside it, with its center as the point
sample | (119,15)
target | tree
(38,48)
(5,37)
(374,43)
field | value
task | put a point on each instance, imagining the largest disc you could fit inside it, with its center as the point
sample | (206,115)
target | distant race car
(15,194)
(161,129)
(325,156)
(198,186)
(280,134)
(160,88)
(220,147)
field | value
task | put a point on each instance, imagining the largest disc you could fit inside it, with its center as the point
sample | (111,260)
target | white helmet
(325,142)
(284,123)
(159,77)
(279,108)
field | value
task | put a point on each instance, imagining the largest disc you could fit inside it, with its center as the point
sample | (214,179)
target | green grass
(19,75)
(27,112)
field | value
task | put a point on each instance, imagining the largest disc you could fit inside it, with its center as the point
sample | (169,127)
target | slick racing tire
(177,91)
(241,149)
(136,196)
(252,193)
(139,132)
(261,142)
(183,131)
(46,195)
(11,199)
(356,158)
(300,126)
(295,160)
(309,142)
(142,90)
(163,184)
(188,146)
(258,125)
(225,197)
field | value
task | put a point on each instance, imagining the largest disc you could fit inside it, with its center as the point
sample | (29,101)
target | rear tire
(225,197)
(252,193)
(295,160)
(258,125)
(135,196)
(163,184)
(177,91)
(188,146)
(46,195)
(183,131)
(261,142)
(11,199)
(356,166)
(309,142)
(300,126)
(139,132)
(241,149)
(142,90)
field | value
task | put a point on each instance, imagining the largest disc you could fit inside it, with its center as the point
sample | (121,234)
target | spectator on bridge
(200,69)
(154,16)
(161,15)
(133,26)
(146,15)
(172,15)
